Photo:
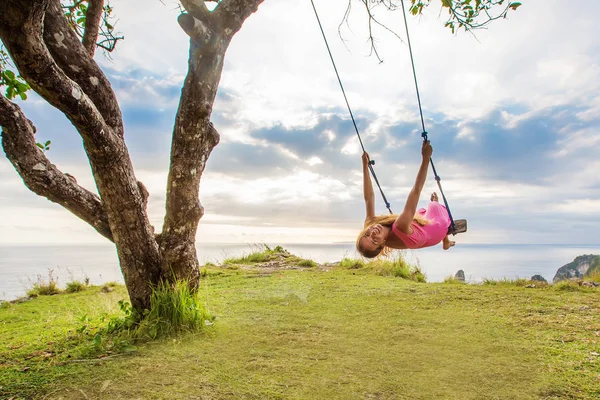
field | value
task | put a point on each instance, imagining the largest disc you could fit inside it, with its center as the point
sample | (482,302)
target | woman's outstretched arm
(368,193)
(410,208)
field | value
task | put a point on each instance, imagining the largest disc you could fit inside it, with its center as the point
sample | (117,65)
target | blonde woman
(411,229)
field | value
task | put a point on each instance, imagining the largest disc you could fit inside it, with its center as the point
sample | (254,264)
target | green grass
(451,280)
(594,276)
(397,267)
(571,286)
(350,263)
(261,253)
(267,256)
(314,334)
(306,263)
(174,309)
(75,286)
(505,282)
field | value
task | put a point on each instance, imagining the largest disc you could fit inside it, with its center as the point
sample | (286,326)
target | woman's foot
(448,243)
(434,197)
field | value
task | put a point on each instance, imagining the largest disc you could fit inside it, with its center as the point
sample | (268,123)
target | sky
(512,111)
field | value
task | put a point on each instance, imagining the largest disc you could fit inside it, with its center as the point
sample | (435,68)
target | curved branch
(93,17)
(75,61)
(36,65)
(462,14)
(41,176)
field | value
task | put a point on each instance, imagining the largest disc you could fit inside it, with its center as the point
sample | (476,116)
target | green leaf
(41,146)
(514,6)
(8,75)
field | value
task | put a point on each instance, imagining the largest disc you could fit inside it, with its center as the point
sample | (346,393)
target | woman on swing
(410,229)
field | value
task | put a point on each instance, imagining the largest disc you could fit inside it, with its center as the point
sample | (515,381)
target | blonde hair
(388,221)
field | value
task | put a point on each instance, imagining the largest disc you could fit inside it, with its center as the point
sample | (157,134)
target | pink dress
(430,234)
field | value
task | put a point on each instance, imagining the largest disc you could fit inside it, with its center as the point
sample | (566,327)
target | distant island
(583,266)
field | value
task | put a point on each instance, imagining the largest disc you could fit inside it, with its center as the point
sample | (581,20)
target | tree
(52,46)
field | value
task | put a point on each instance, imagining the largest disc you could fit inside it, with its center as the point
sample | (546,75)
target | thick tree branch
(93,17)
(36,65)
(196,8)
(201,31)
(41,176)
(74,60)
(233,13)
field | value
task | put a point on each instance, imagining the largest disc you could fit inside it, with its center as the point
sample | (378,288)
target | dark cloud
(249,161)
(312,141)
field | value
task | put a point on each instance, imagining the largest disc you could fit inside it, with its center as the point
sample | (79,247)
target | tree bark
(41,176)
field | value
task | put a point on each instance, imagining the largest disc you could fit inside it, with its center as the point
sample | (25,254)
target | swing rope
(424,133)
(371,162)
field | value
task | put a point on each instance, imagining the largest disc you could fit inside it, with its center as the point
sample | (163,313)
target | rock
(538,278)
(106,289)
(579,268)
(460,275)
(531,285)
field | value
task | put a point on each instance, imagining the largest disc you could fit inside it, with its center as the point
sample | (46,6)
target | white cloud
(579,206)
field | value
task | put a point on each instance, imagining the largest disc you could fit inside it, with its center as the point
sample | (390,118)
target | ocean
(22,265)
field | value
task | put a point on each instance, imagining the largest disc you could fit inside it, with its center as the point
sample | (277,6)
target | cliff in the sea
(581,267)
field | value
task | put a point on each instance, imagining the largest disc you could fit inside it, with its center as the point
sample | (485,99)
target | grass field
(315,333)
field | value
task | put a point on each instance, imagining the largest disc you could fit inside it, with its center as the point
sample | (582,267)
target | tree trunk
(194,136)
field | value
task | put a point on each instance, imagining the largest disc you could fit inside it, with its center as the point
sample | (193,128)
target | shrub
(75,286)
(417,275)
(263,253)
(349,263)
(174,308)
(397,267)
(506,282)
(569,286)
(307,263)
(452,280)
(43,288)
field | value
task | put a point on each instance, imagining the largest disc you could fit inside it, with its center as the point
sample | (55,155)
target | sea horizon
(23,264)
